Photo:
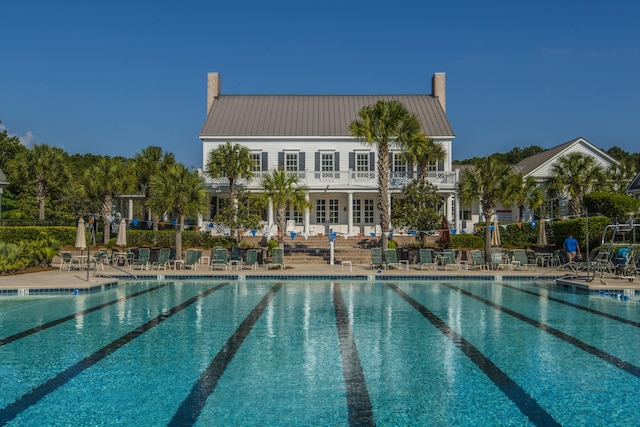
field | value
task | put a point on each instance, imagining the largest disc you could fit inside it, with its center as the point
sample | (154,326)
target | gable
(310,115)
(634,187)
(539,165)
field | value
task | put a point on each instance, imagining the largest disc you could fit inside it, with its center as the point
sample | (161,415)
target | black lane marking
(578,306)
(609,358)
(191,407)
(358,401)
(53,323)
(31,398)
(527,404)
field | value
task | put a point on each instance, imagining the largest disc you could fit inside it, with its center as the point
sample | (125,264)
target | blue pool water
(436,353)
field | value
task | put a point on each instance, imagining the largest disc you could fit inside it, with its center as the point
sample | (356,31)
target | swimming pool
(320,353)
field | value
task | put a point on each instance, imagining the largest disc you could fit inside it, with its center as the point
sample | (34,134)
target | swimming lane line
(527,404)
(55,322)
(358,400)
(609,358)
(578,306)
(191,407)
(27,400)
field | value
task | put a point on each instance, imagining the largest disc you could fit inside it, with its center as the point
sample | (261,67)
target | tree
(423,151)
(104,180)
(231,161)
(284,191)
(244,216)
(619,176)
(150,162)
(484,181)
(42,166)
(523,192)
(573,176)
(385,124)
(181,190)
(9,147)
(419,209)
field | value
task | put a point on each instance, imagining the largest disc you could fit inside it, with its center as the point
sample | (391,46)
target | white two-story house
(308,135)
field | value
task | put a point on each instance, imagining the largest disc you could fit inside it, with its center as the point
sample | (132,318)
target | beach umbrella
(444,231)
(495,234)
(121,240)
(81,237)
(542,234)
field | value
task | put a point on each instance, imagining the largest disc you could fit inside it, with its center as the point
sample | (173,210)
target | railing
(319,179)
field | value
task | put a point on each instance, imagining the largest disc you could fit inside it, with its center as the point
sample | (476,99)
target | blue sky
(115,77)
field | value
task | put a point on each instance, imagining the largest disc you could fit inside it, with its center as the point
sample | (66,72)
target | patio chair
(376,258)
(143,259)
(477,260)
(192,259)
(427,259)
(449,260)
(236,257)
(68,261)
(277,258)
(498,261)
(252,259)
(391,259)
(521,260)
(220,259)
(163,259)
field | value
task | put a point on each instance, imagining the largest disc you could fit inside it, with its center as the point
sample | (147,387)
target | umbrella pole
(89,253)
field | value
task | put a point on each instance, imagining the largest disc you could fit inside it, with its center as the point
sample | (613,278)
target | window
(399,164)
(291,162)
(368,211)
(333,211)
(293,214)
(321,211)
(257,162)
(326,162)
(362,162)
(357,211)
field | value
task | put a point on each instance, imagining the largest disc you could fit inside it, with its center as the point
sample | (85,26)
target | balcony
(318,180)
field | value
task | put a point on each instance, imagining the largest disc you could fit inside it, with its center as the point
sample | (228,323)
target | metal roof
(310,115)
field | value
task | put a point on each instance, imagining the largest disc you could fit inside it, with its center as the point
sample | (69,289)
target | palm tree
(574,175)
(423,151)
(42,165)
(181,190)
(283,189)
(619,176)
(484,181)
(104,180)
(148,163)
(231,161)
(523,192)
(385,124)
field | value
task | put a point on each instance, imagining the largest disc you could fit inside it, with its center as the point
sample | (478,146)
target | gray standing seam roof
(310,115)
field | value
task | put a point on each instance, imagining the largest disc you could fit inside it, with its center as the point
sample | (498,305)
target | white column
(200,222)
(130,208)
(350,213)
(269,217)
(457,210)
(305,230)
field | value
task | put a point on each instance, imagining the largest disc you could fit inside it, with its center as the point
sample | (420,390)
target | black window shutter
(301,160)
(352,161)
(281,160)
(336,160)
(317,161)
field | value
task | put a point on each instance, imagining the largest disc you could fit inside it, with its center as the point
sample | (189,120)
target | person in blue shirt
(571,248)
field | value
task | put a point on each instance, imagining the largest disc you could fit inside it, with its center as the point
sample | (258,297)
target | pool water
(436,353)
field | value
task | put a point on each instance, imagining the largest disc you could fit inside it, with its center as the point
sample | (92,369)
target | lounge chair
(236,258)
(427,259)
(143,259)
(277,258)
(520,260)
(477,260)
(391,259)
(220,259)
(252,259)
(498,261)
(376,258)
(68,261)
(163,259)
(449,260)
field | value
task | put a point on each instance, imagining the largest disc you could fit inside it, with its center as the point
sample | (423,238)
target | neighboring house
(309,135)
(634,188)
(539,166)
(3,183)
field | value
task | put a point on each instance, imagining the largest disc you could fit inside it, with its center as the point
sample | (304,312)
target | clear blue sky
(115,77)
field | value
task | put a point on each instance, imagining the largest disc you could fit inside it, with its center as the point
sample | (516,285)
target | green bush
(611,205)
(560,230)
(64,235)
(467,241)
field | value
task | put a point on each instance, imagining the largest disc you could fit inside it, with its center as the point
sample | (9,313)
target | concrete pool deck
(58,281)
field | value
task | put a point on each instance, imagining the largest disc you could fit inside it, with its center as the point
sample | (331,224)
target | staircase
(315,249)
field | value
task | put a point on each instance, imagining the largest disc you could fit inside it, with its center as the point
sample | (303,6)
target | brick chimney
(438,89)
(213,89)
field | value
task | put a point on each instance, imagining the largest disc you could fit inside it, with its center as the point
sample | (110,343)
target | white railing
(317,179)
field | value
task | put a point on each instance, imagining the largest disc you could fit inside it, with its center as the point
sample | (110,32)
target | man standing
(571,248)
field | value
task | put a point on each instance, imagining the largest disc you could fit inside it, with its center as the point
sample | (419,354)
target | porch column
(305,229)
(456,222)
(130,209)
(200,222)
(269,217)
(350,213)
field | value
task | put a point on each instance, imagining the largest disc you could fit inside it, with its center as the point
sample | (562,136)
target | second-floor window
(399,165)
(291,162)
(362,162)
(257,162)
(326,162)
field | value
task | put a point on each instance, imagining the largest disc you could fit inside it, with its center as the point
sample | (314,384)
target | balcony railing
(316,180)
